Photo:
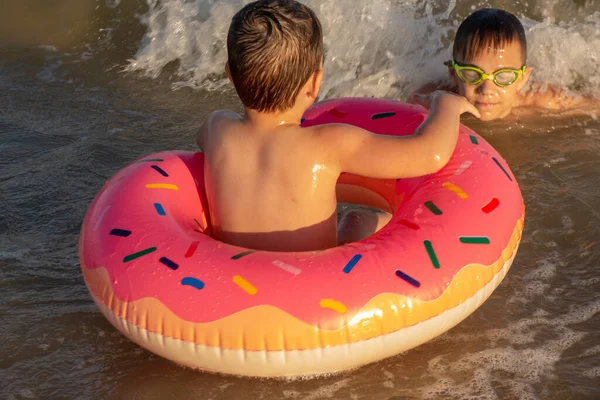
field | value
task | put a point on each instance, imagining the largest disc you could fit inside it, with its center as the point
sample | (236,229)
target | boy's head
(491,41)
(274,47)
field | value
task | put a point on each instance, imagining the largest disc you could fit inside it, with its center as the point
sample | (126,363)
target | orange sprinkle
(161,186)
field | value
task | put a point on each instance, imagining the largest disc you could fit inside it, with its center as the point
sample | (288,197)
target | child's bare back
(272,185)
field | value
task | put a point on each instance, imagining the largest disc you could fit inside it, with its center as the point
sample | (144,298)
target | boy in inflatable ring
(270,183)
(489,69)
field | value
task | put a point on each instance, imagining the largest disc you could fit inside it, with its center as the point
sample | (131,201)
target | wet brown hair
(488,28)
(273,47)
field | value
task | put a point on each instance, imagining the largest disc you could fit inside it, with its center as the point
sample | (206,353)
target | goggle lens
(506,77)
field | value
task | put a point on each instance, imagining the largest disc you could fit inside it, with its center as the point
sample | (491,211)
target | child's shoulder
(550,97)
(215,123)
(220,115)
(333,132)
(222,120)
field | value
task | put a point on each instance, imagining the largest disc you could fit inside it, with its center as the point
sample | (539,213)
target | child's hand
(441,98)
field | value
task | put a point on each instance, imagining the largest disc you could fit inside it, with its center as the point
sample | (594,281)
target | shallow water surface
(70,118)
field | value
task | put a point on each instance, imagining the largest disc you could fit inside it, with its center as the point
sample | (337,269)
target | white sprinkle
(287,267)
(463,167)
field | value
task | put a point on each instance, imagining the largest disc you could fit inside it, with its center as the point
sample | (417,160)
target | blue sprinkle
(302,120)
(159,209)
(169,263)
(120,232)
(159,170)
(408,278)
(501,167)
(353,261)
(193,282)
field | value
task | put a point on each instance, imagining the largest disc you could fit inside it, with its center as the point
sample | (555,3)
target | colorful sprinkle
(383,115)
(159,209)
(100,218)
(169,263)
(491,206)
(433,208)
(287,267)
(463,167)
(245,285)
(337,113)
(473,139)
(452,187)
(409,224)
(408,278)
(191,250)
(151,160)
(161,186)
(474,240)
(159,170)
(501,167)
(353,261)
(432,256)
(302,120)
(139,254)
(333,305)
(240,255)
(120,232)
(193,282)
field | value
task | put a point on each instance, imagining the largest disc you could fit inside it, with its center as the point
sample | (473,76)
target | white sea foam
(381,48)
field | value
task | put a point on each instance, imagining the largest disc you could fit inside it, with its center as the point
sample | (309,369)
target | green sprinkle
(240,255)
(139,254)
(473,139)
(474,240)
(433,208)
(432,256)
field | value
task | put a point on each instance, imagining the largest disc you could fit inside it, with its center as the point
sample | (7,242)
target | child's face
(491,100)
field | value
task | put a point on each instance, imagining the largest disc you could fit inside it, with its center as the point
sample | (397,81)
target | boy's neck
(266,120)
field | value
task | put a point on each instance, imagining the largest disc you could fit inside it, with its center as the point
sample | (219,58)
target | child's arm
(427,151)
(213,122)
(201,138)
(557,99)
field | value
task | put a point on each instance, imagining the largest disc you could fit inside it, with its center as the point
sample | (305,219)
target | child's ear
(452,76)
(228,72)
(316,80)
(521,83)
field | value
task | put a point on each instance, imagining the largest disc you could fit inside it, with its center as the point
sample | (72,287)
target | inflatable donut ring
(154,271)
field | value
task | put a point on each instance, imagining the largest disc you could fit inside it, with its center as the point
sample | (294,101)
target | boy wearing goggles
(489,68)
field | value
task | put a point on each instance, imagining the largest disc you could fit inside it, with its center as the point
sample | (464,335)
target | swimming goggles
(474,75)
